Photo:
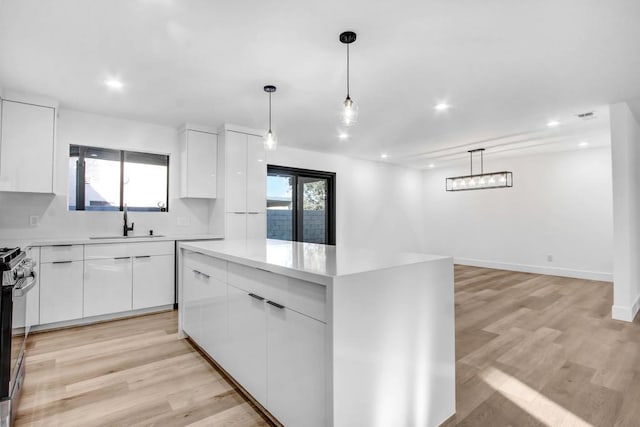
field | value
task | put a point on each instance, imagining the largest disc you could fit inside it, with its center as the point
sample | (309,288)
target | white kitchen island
(323,335)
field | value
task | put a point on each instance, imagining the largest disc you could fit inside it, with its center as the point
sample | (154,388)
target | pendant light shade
(349,108)
(270,140)
(481,181)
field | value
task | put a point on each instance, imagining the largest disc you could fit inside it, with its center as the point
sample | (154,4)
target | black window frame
(79,151)
(296,173)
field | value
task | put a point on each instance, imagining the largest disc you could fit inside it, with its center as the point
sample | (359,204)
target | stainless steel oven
(18,278)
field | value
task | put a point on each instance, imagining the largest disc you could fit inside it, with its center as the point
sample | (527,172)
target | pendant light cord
(269,111)
(347,70)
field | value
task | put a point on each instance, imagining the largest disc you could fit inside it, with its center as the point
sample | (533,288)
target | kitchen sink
(125,237)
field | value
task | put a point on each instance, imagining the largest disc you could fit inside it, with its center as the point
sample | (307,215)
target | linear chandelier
(481,181)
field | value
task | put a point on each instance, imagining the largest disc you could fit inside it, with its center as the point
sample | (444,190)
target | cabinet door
(235,226)
(107,286)
(295,368)
(236,172)
(256,175)
(247,350)
(26,150)
(256,226)
(214,318)
(60,291)
(190,305)
(153,281)
(202,158)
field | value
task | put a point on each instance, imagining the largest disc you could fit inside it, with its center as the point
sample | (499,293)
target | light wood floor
(531,350)
(132,372)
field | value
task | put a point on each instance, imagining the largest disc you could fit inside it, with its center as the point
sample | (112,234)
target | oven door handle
(22,290)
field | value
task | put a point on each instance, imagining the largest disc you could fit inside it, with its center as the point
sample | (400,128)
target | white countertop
(307,261)
(50,241)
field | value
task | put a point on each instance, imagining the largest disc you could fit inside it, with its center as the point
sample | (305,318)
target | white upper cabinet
(27,147)
(236,172)
(198,163)
(256,175)
(245,185)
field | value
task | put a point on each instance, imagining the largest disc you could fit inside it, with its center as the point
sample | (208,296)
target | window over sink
(104,179)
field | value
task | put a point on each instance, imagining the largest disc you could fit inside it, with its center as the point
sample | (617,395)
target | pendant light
(349,108)
(270,140)
(481,181)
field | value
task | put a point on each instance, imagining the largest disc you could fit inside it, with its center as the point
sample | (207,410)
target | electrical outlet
(550,258)
(34,220)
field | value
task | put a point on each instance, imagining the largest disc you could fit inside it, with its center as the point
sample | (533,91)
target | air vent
(587,115)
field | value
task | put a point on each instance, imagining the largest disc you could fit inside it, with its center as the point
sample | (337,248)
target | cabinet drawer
(151,248)
(61,253)
(213,267)
(115,250)
(304,297)
(106,251)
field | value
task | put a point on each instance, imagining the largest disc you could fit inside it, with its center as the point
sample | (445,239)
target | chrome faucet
(126,229)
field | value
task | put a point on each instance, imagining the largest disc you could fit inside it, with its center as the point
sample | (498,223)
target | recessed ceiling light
(583,144)
(553,123)
(343,135)
(113,83)
(442,106)
(431,165)
(383,156)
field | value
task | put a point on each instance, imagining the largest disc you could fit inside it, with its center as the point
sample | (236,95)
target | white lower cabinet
(276,353)
(107,286)
(247,351)
(295,366)
(256,225)
(235,226)
(190,305)
(60,291)
(153,281)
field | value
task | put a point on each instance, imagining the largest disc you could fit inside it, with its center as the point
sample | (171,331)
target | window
(300,205)
(103,179)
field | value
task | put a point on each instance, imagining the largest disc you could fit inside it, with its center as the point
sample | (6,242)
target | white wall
(625,141)
(560,205)
(377,205)
(56,221)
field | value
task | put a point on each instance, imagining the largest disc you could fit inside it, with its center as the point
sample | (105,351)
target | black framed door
(300,205)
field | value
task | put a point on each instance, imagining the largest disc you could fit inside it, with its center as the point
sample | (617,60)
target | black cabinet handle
(275,304)
(61,262)
(258,297)
(122,257)
(61,246)
(143,256)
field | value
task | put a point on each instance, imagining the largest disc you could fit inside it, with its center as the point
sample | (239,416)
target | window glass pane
(102,181)
(280,207)
(71,190)
(314,218)
(145,181)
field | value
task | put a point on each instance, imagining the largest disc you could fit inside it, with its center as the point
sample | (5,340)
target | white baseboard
(101,318)
(552,271)
(627,314)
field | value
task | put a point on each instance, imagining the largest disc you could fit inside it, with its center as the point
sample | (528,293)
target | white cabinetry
(79,281)
(274,344)
(245,186)
(247,361)
(27,147)
(295,366)
(153,280)
(107,286)
(61,283)
(198,163)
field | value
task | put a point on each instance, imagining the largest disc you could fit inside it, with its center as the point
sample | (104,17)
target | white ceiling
(506,67)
